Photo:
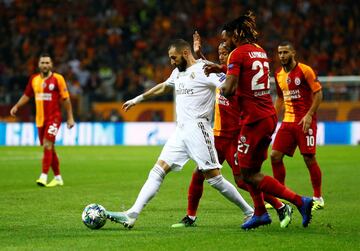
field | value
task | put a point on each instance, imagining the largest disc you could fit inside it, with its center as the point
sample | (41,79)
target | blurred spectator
(115,48)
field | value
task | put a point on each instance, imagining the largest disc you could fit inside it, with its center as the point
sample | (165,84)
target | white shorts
(192,140)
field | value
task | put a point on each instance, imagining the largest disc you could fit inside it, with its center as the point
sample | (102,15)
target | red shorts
(226,150)
(253,142)
(291,135)
(48,131)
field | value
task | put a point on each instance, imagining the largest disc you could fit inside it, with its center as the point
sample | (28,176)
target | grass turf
(36,218)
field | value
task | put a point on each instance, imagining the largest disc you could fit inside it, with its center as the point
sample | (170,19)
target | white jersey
(194,92)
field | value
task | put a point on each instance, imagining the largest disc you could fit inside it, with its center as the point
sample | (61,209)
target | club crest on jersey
(297,81)
(51,86)
(192,76)
(310,131)
(243,139)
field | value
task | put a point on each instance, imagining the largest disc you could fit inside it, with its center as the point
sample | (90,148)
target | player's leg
(278,166)
(52,160)
(55,165)
(147,192)
(307,146)
(228,190)
(42,180)
(201,148)
(172,157)
(196,189)
(195,192)
(284,143)
(316,179)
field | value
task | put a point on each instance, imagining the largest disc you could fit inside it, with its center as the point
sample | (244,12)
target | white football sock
(58,177)
(43,176)
(230,192)
(148,191)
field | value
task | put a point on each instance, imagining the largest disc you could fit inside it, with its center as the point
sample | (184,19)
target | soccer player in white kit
(193,137)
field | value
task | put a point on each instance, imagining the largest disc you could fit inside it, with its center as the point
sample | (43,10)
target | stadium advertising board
(146,133)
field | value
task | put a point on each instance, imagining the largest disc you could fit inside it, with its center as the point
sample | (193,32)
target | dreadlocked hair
(246,27)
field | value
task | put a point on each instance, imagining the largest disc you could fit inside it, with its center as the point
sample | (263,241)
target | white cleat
(122,218)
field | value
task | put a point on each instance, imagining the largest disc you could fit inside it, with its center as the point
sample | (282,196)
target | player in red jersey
(300,93)
(48,89)
(226,129)
(248,78)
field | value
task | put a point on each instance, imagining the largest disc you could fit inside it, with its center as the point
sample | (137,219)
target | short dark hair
(287,43)
(179,45)
(45,55)
(230,26)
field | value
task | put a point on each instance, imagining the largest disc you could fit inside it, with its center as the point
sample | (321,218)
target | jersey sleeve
(64,93)
(29,91)
(171,80)
(216,79)
(233,64)
(312,79)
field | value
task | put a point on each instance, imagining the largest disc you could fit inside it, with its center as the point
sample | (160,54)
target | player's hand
(306,122)
(196,42)
(212,68)
(13,111)
(128,104)
(70,123)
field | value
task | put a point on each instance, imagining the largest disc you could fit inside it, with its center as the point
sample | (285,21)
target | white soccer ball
(94,216)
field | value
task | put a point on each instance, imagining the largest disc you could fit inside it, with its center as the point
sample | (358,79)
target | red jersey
(250,64)
(227,116)
(47,95)
(296,88)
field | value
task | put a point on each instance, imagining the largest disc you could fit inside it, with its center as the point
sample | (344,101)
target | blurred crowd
(112,50)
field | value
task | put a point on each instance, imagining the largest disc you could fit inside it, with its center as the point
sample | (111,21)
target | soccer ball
(94,216)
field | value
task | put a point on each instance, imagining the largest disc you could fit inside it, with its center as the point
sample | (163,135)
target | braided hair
(246,28)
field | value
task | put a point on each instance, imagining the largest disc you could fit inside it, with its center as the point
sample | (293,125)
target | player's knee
(276,156)
(309,158)
(48,145)
(211,173)
(157,173)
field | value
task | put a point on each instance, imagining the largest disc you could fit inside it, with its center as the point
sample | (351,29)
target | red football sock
(276,203)
(46,161)
(315,175)
(241,184)
(267,197)
(274,187)
(279,171)
(258,199)
(195,192)
(55,164)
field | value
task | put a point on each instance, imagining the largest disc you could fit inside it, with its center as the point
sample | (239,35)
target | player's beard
(45,71)
(182,65)
(285,63)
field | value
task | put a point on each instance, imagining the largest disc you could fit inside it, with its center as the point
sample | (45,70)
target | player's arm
(22,101)
(214,68)
(197,45)
(69,114)
(307,119)
(315,86)
(279,104)
(157,90)
(228,88)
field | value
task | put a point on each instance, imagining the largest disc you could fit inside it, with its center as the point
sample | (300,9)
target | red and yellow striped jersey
(47,94)
(296,88)
(227,116)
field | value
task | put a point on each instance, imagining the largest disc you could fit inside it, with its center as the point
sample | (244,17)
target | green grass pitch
(35,218)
